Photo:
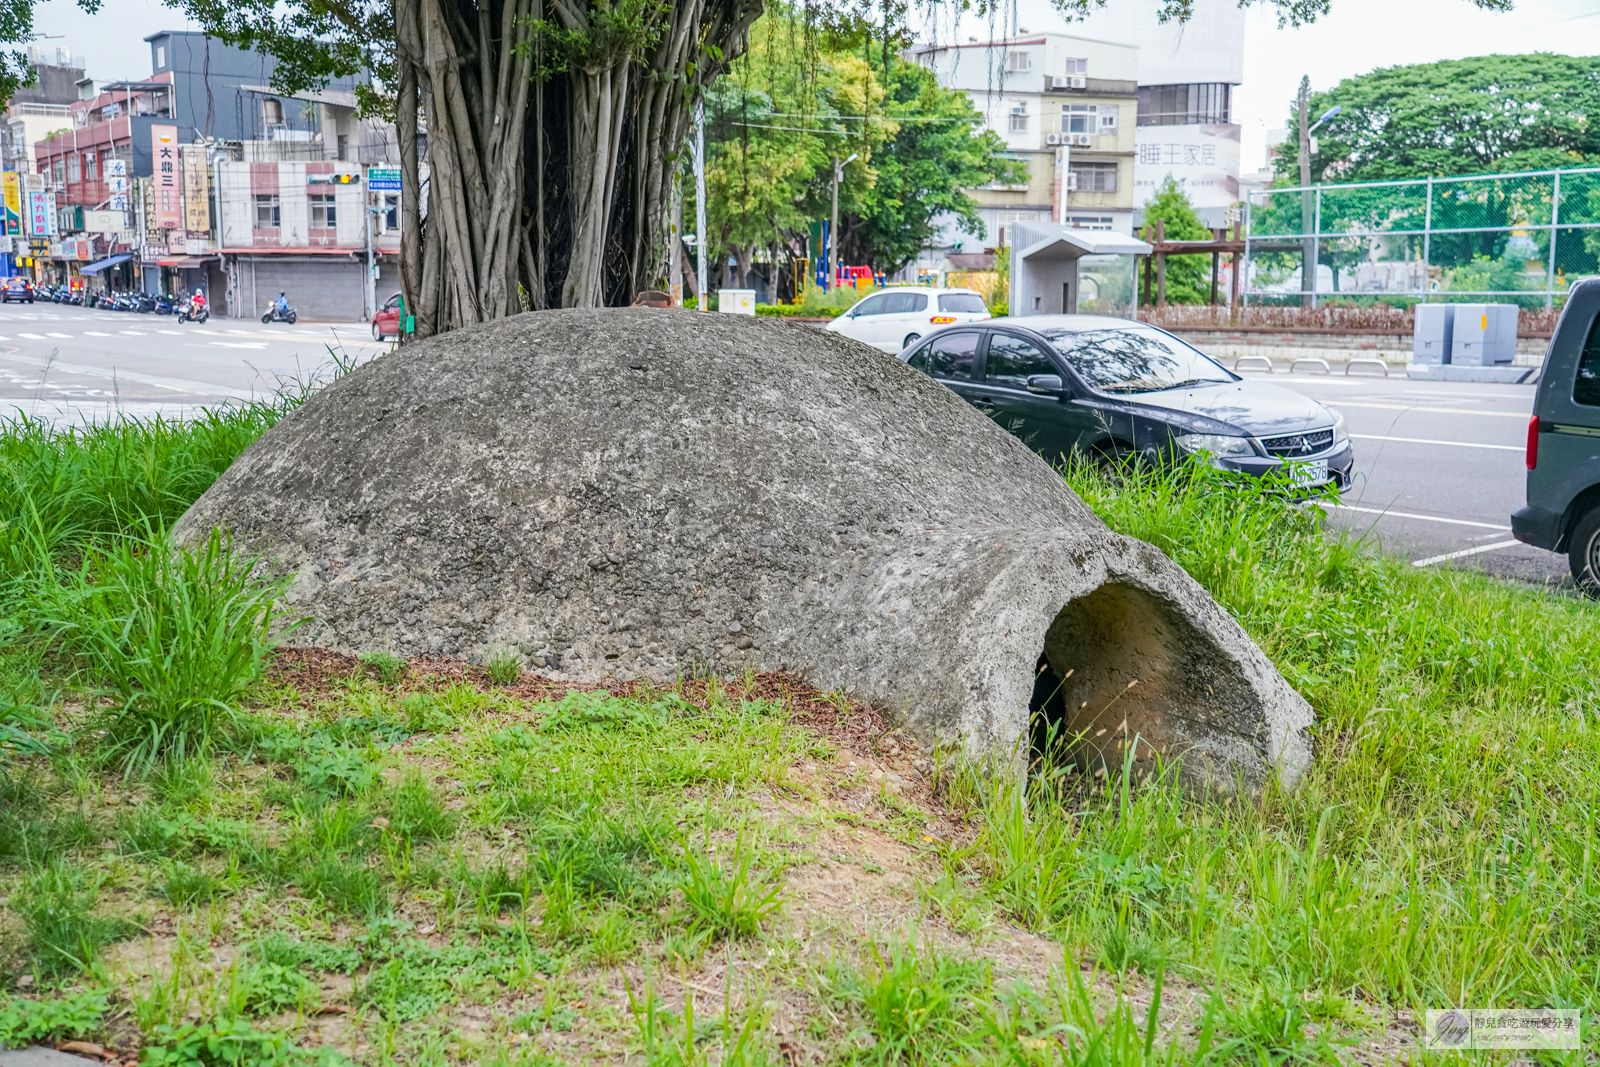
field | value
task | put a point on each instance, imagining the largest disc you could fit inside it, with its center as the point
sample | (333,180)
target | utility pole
(1308,245)
(833,224)
(833,227)
(372,278)
(703,298)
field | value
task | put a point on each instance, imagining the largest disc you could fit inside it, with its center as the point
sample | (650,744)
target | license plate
(1311,472)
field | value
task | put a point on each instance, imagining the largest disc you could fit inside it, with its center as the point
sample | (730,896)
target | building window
(1196,104)
(58,170)
(267,211)
(90,171)
(1077,66)
(322,212)
(1108,119)
(1095,177)
(161,56)
(391,212)
(1080,118)
(344,146)
(1019,62)
(272,111)
(1019,118)
(1090,222)
(74,174)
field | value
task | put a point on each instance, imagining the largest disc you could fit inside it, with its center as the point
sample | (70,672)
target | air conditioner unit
(1078,81)
(1081,140)
(1072,181)
(1059,81)
(1054,138)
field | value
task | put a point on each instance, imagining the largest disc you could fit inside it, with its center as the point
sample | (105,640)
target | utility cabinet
(1430,335)
(1483,335)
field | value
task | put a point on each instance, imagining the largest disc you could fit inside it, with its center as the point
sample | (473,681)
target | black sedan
(1105,387)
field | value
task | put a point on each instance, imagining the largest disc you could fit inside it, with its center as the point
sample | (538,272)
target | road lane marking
(32,336)
(64,336)
(1429,441)
(1413,515)
(95,333)
(239,344)
(131,333)
(180,385)
(1431,560)
(1523,415)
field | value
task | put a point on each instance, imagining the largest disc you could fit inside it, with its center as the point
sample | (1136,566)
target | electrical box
(736,301)
(1430,334)
(1483,335)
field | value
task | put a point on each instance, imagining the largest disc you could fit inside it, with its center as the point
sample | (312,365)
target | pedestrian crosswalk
(346,334)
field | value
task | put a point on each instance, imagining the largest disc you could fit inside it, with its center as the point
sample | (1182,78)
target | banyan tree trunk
(544,189)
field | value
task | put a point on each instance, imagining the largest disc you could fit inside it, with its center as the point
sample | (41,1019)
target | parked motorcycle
(274,315)
(164,305)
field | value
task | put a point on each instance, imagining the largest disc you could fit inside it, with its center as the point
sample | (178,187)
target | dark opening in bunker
(1119,669)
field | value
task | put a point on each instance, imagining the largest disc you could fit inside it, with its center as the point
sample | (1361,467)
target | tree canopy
(917,147)
(1458,116)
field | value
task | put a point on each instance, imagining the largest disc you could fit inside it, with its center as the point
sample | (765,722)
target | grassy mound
(215,854)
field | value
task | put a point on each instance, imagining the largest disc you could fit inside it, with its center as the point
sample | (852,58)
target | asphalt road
(1439,465)
(1439,469)
(73,364)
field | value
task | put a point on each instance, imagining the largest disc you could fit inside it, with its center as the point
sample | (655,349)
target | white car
(898,318)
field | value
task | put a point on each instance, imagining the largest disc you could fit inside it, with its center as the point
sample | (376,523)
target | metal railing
(1519,238)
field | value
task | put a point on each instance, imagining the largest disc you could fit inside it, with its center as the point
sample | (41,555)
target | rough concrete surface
(643,492)
(39,1056)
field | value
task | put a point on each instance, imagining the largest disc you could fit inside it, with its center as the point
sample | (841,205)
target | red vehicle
(386,323)
(16,287)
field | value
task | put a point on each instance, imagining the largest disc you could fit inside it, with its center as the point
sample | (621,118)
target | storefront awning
(100,265)
(185,261)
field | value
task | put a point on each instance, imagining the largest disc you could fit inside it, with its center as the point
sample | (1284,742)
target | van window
(962,303)
(1586,389)
(904,303)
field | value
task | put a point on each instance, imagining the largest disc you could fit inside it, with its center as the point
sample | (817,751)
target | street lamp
(833,225)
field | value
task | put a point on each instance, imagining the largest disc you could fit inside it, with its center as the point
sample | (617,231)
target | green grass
(441,866)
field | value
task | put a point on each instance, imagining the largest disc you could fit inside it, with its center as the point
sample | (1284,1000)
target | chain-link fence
(1503,238)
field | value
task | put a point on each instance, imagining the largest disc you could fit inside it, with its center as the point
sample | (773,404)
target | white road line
(239,344)
(171,333)
(64,336)
(95,333)
(32,336)
(179,385)
(1424,409)
(131,333)
(1464,552)
(1428,441)
(1412,515)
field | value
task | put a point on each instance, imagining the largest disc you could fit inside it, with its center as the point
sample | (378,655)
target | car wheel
(377,333)
(1583,553)
(911,339)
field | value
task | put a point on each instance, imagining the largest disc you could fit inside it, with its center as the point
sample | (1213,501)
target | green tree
(937,152)
(1457,116)
(1187,279)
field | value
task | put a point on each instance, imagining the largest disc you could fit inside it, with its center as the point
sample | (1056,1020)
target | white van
(897,318)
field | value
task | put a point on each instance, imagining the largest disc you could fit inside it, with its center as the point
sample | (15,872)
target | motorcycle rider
(199,300)
(282,306)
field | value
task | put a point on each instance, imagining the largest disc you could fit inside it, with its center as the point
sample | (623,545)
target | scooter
(274,315)
(164,305)
(187,312)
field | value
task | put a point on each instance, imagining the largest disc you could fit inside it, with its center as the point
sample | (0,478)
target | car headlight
(1215,443)
(1341,432)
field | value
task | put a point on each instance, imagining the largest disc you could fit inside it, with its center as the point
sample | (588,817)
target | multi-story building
(1188,74)
(184,159)
(41,108)
(1065,106)
(303,229)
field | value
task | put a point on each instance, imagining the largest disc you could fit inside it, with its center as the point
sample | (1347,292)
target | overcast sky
(1356,37)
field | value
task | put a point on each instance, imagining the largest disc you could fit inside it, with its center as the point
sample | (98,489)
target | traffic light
(346,179)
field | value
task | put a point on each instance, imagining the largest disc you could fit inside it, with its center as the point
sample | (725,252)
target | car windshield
(1137,360)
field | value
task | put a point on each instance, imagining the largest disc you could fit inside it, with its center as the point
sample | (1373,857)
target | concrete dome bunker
(635,492)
